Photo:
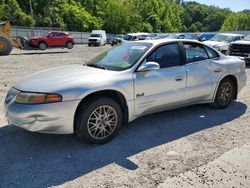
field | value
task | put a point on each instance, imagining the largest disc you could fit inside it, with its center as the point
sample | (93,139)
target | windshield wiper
(96,66)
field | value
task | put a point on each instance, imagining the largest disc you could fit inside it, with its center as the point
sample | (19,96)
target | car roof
(230,34)
(137,34)
(160,41)
(57,32)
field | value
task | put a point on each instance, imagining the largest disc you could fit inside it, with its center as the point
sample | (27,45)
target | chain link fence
(79,37)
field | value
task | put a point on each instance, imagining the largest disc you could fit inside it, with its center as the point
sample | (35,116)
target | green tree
(123,16)
(10,10)
(236,21)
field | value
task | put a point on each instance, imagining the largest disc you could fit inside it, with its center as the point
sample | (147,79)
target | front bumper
(94,42)
(55,118)
(246,59)
(34,43)
(242,80)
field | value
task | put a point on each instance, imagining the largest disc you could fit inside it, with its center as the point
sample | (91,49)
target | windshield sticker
(138,47)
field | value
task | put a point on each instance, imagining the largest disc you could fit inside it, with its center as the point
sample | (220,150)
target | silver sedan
(137,78)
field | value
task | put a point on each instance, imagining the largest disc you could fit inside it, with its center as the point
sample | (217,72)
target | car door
(202,74)
(52,39)
(55,39)
(157,90)
(61,39)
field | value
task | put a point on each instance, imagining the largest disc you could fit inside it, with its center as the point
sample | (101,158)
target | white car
(120,85)
(221,41)
(241,48)
(97,37)
(135,36)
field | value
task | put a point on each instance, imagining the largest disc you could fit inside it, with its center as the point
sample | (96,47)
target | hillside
(123,16)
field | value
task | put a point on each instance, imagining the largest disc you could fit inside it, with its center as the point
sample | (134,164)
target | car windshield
(45,33)
(128,37)
(95,35)
(119,36)
(206,36)
(121,57)
(222,38)
(247,37)
(172,36)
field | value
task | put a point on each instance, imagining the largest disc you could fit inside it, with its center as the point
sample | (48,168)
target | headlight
(37,98)
(217,48)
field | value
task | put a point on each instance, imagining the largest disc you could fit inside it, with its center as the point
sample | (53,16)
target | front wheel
(42,46)
(98,120)
(225,94)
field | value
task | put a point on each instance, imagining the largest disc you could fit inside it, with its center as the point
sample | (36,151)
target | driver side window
(167,55)
(54,34)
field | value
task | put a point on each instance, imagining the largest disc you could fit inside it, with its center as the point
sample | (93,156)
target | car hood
(95,38)
(215,43)
(68,78)
(33,38)
(244,42)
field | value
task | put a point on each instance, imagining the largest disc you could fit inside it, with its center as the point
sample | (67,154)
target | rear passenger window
(167,55)
(211,53)
(60,34)
(195,52)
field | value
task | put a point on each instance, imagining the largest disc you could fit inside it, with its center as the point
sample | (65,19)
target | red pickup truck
(53,39)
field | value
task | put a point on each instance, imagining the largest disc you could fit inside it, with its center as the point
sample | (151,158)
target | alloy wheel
(102,122)
(42,46)
(225,93)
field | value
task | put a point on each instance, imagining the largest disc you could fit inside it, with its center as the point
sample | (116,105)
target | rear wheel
(5,46)
(69,45)
(225,94)
(98,120)
(42,46)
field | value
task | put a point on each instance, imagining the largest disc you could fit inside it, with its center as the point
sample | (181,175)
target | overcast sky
(234,5)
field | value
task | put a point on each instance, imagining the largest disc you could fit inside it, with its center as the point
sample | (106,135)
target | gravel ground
(157,150)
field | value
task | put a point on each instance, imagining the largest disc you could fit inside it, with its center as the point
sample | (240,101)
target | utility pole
(32,23)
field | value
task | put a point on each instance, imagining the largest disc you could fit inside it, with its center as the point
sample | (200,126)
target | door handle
(179,78)
(218,70)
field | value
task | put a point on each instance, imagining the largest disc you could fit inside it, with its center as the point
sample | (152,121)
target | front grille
(92,40)
(239,50)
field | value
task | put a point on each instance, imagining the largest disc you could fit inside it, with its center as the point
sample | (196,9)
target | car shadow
(41,160)
(40,53)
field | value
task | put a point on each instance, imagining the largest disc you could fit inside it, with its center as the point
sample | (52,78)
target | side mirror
(148,66)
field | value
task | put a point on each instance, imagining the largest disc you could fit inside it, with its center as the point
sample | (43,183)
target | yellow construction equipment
(6,41)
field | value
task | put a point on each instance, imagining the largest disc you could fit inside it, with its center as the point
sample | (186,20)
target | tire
(91,124)
(225,94)
(42,46)
(5,46)
(69,45)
